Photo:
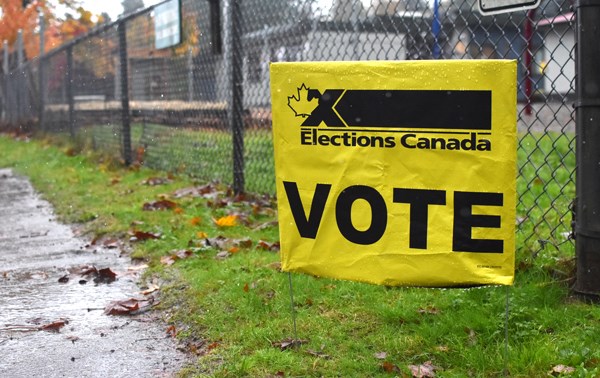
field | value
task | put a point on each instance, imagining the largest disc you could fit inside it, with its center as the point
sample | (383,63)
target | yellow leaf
(226,221)
(201,235)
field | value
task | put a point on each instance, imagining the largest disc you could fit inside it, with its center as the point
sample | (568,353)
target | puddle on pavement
(35,252)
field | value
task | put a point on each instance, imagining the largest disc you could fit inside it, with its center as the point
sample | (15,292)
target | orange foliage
(57,31)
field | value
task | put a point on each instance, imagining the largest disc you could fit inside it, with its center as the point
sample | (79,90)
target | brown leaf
(206,191)
(111,243)
(195,221)
(212,346)
(105,276)
(288,343)
(268,246)
(176,255)
(126,306)
(142,235)
(172,331)
(246,288)
(163,204)
(389,367)
(425,370)
(54,326)
(64,279)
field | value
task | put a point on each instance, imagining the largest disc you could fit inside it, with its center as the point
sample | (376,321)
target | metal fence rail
(203,107)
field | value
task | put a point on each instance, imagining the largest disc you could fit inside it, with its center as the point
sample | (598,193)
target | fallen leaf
(151,289)
(159,205)
(64,279)
(111,243)
(389,367)
(380,355)
(288,343)
(105,276)
(561,369)
(176,255)
(226,221)
(201,235)
(142,235)
(208,190)
(246,288)
(172,331)
(212,346)
(54,326)
(195,221)
(268,246)
(233,249)
(425,370)
(178,210)
(127,306)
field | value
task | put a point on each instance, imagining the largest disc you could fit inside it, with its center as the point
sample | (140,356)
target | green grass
(233,312)
(206,153)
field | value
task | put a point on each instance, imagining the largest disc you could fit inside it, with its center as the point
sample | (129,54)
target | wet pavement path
(35,252)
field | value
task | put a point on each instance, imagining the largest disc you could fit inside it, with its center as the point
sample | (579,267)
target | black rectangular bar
(417,109)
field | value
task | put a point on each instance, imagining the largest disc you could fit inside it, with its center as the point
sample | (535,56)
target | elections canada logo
(389,118)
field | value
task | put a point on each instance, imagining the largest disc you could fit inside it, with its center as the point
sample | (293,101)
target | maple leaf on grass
(142,235)
(425,370)
(226,221)
(176,255)
(159,205)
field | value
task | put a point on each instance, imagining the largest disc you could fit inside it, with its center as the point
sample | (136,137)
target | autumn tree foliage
(59,28)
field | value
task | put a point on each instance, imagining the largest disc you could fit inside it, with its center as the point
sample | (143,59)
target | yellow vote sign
(397,173)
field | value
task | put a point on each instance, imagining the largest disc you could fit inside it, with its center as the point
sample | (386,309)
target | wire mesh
(182,99)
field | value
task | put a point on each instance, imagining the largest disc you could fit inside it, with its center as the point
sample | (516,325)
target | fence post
(41,70)
(5,68)
(125,114)
(587,116)
(236,108)
(69,90)
(21,81)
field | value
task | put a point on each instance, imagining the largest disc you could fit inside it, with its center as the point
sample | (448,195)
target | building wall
(559,52)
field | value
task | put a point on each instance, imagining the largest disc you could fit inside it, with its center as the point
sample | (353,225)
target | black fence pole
(41,71)
(587,208)
(125,114)
(236,109)
(69,90)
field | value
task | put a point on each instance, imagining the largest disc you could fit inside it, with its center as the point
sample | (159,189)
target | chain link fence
(202,107)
